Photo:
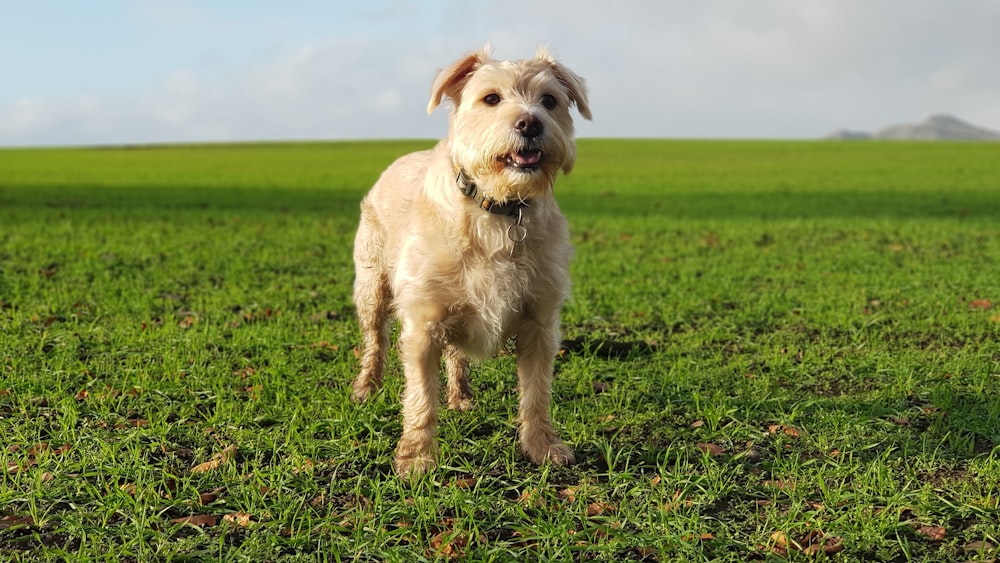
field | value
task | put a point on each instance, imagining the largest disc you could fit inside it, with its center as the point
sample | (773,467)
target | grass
(775,350)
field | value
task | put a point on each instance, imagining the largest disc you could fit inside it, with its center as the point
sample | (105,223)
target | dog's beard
(515,169)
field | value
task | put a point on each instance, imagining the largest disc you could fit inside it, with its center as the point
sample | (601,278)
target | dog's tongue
(527,158)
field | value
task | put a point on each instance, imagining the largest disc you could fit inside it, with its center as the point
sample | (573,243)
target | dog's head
(510,127)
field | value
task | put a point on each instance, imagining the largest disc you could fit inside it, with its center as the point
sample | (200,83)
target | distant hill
(849,135)
(934,128)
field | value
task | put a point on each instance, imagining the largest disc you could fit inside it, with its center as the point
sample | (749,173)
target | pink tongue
(527,158)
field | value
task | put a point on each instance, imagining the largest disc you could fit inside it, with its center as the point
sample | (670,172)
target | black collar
(469,189)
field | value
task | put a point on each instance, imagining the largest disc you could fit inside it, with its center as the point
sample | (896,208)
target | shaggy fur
(459,278)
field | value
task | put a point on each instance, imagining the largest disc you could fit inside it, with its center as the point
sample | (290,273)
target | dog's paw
(560,454)
(554,451)
(415,465)
(361,391)
(462,404)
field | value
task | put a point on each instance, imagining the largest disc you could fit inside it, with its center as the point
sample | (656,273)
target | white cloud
(775,68)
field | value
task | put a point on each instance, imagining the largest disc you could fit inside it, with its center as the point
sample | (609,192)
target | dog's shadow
(607,348)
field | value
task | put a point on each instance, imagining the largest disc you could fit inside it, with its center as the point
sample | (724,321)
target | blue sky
(136,71)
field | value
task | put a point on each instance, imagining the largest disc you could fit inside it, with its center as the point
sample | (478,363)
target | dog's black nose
(528,126)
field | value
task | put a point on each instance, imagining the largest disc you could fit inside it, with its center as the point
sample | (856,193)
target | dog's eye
(491,99)
(549,101)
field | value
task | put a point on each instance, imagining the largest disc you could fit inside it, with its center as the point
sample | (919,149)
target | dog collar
(469,189)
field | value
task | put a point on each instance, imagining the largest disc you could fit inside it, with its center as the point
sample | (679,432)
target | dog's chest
(494,294)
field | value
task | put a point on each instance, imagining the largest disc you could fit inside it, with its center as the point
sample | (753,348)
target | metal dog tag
(517,232)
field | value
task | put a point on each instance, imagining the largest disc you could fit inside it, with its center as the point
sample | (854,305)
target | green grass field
(775,351)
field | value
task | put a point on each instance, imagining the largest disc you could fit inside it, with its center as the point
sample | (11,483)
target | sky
(161,71)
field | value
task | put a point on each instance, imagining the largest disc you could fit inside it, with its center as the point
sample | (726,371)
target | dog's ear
(450,81)
(574,84)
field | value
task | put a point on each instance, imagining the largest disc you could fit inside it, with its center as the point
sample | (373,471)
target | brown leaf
(465,483)
(216,461)
(449,547)
(780,538)
(599,508)
(11,521)
(647,552)
(811,537)
(824,544)
(698,424)
(782,429)
(13,467)
(531,498)
(979,547)
(981,304)
(811,543)
(933,533)
(210,496)
(569,493)
(62,449)
(198,520)
(711,449)
(241,519)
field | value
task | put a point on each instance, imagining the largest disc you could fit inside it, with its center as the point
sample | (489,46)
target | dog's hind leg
(457,367)
(373,301)
(537,345)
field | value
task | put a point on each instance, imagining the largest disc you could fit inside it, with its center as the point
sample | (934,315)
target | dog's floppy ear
(450,81)
(575,86)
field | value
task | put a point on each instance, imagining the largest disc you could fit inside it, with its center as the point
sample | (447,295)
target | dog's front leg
(537,345)
(421,342)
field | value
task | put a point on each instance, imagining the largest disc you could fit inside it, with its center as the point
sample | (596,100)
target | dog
(466,245)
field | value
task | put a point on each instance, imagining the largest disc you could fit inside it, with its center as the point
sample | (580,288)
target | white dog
(465,243)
